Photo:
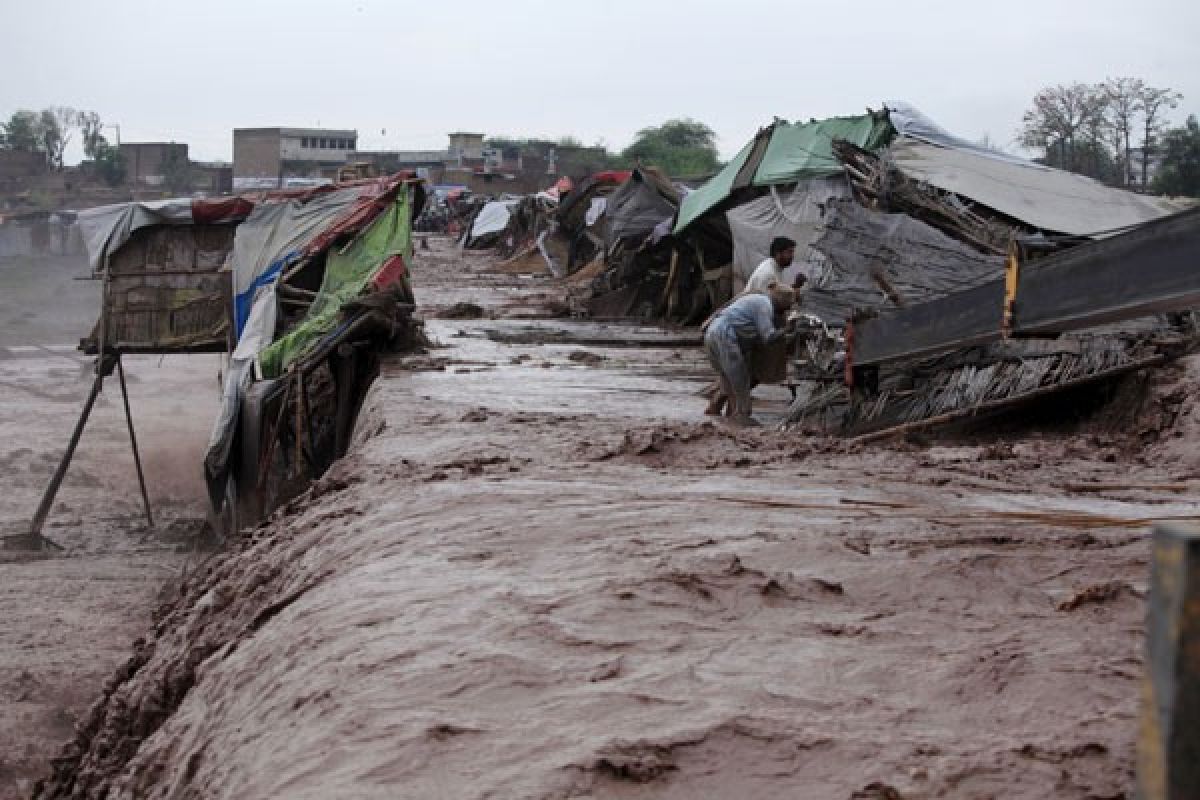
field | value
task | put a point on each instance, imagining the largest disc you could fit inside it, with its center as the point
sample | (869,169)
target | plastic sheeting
(106,228)
(797,214)
(639,206)
(1049,199)
(793,152)
(908,121)
(276,235)
(917,261)
(347,273)
(492,218)
(595,210)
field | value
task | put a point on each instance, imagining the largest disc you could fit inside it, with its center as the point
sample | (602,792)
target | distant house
(149,163)
(268,158)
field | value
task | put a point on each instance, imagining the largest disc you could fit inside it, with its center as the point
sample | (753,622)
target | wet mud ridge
(544,575)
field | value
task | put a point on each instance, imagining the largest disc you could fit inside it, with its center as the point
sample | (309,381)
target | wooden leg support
(1169,734)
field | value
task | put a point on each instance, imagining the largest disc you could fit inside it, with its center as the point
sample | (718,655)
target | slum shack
(301,289)
(889,211)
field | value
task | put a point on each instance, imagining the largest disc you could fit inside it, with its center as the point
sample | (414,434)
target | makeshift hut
(301,288)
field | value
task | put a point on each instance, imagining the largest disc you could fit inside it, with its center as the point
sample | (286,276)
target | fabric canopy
(790,153)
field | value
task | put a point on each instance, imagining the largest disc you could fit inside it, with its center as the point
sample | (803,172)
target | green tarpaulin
(794,152)
(347,273)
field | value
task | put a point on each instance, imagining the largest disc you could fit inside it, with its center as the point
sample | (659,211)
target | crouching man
(733,335)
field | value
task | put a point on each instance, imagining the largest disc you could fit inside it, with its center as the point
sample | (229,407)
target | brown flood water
(544,574)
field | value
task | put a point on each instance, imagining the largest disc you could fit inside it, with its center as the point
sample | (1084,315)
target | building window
(304,141)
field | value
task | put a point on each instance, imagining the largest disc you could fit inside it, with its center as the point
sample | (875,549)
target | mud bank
(548,577)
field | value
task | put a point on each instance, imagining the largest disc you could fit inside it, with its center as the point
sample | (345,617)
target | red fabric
(376,195)
(612,176)
(391,273)
(220,209)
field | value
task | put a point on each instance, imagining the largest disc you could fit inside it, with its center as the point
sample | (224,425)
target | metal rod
(137,459)
(39,519)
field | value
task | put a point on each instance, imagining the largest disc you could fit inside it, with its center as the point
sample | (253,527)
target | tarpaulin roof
(786,153)
(796,214)
(1042,197)
(347,273)
(106,228)
(639,205)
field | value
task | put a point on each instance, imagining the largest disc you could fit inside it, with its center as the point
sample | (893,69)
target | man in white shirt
(782,250)
(742,327)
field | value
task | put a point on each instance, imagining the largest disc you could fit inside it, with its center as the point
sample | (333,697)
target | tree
(1123,98)
(678,146)
(1180,171)
(110,164)
(57,123)
(1061,119)
(23,132)
(1154,103)
(89,130)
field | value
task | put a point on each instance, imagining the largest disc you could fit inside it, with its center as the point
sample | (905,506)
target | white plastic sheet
(492,218)
(595,210)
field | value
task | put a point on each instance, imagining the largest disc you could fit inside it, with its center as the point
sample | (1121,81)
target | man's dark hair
(779,244)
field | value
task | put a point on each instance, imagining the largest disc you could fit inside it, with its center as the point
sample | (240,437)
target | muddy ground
(542,573)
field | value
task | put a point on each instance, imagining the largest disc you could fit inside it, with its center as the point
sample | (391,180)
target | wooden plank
(1169,734)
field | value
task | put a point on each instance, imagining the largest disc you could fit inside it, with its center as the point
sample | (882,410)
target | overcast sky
(405,73)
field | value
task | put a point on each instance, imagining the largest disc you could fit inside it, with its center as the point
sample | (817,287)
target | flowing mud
(542,574)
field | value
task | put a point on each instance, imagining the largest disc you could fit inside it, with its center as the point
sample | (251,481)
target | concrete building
(278,157)
(466,149)
(150,163)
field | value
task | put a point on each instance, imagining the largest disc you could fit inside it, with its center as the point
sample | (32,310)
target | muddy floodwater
(543,573)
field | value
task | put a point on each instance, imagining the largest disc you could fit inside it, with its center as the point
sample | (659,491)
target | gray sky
(191,71)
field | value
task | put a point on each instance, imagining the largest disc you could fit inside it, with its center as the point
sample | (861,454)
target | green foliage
(1088,128)
(110,164)
(23,132)
(678,146)
(1180,170)
(46,131)
(89,128)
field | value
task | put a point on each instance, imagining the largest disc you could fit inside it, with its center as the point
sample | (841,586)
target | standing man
(782,250)
(734,334)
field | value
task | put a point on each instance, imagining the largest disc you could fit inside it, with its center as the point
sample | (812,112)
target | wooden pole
(137,459)
(39,518)
(1168,765)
